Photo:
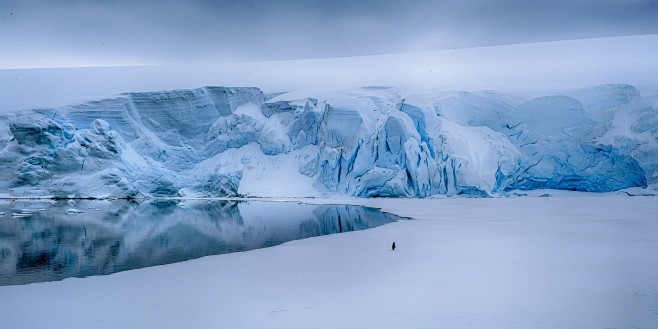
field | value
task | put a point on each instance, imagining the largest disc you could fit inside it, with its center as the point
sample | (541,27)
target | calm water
(47,240)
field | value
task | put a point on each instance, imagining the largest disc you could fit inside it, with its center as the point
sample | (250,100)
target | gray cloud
(69,32)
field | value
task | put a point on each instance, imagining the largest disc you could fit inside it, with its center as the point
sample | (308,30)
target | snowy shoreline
(575,259)
(343,199)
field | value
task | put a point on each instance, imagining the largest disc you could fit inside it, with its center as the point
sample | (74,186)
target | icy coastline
(572,260)
(367,142)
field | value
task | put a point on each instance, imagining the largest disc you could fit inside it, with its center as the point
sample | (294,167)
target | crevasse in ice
(369,142)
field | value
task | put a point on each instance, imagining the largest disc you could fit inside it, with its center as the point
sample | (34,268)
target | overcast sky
(127,32)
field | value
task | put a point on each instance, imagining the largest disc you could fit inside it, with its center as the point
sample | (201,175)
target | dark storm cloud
(72,32)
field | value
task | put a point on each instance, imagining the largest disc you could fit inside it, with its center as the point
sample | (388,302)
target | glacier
(365,142)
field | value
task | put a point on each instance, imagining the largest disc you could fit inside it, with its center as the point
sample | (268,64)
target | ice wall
(367,142)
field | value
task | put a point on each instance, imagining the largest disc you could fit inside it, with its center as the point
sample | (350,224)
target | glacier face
(368,142)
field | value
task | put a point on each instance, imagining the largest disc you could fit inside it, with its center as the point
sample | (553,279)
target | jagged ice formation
(369,142)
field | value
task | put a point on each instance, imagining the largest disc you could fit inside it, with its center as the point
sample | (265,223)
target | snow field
(529,262)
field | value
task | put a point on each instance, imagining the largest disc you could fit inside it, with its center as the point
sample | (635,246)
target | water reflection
(53,240)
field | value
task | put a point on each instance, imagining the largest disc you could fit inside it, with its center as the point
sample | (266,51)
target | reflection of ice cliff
(106,237)
(366,142)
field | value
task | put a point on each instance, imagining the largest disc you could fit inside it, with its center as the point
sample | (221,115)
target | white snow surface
(565,261)
(528,70)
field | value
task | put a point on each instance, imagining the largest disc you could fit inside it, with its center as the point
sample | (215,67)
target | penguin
(393,246)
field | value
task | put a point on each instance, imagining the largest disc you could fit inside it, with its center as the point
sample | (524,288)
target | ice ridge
(369,142)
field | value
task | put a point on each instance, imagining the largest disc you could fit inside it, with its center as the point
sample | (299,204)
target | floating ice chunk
(21,215)
(72,211)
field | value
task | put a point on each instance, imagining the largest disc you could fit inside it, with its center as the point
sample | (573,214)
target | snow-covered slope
(365,142)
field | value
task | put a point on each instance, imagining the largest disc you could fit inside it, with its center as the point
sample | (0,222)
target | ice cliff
(369,142)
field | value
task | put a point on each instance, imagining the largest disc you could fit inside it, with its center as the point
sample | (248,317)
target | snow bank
(533,262)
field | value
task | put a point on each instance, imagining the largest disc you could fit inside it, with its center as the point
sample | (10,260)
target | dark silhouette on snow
(393,246)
